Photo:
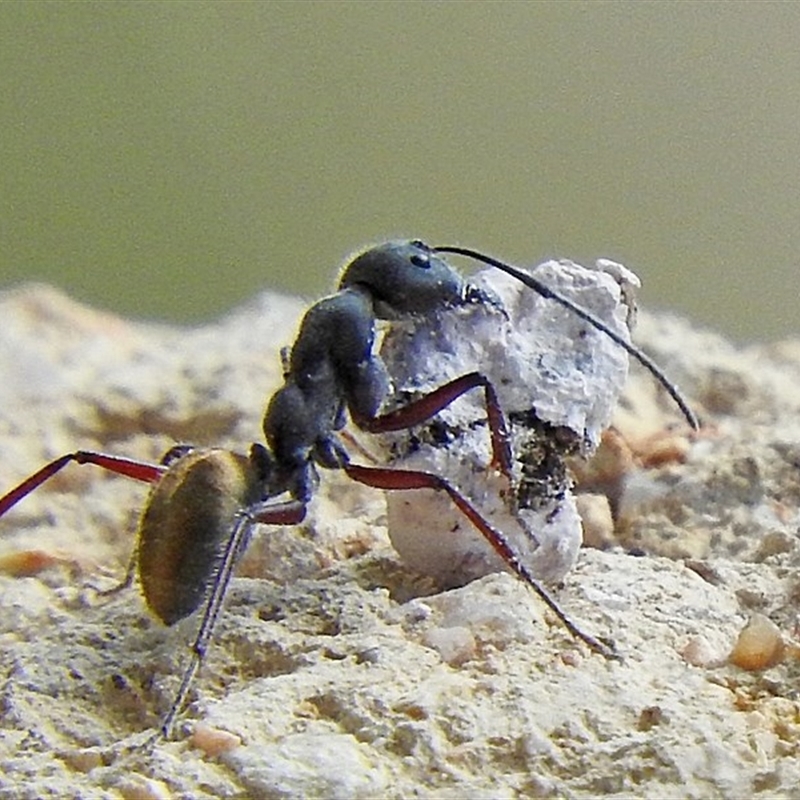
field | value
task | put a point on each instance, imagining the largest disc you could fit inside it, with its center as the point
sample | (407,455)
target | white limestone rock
(557,378)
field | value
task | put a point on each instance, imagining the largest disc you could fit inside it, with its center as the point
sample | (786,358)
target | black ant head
(405,278)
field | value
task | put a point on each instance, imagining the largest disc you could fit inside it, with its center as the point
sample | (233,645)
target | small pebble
(137,787)
(759,646)
(699,653)
(24,563)
(213,741)
(571,658)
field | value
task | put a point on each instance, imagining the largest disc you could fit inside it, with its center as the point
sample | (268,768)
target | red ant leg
(424,408)
(291,512)
(138,470)
(397,479)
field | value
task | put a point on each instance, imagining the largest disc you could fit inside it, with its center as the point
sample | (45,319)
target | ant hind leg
(396,479)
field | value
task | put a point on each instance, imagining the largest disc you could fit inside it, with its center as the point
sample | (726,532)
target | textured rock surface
(344,673)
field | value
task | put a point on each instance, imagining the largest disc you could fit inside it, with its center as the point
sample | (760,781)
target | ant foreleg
(138,470)
(422,409)
(396,479)
(291,512)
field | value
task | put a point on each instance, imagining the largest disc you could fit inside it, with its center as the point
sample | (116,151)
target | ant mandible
(205,502)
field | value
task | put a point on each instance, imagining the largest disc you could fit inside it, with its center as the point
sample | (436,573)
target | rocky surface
(337,671)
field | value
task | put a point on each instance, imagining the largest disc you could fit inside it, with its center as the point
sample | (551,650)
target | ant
(205,502)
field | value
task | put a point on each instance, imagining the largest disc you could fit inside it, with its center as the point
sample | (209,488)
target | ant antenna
(547,292)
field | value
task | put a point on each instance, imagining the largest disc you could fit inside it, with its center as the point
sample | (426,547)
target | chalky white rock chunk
(558,379)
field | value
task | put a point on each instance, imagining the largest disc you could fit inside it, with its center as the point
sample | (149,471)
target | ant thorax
(558,380)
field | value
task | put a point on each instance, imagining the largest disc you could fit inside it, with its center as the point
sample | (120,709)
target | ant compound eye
(423,262)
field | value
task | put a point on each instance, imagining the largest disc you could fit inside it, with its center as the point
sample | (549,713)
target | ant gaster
(205,502)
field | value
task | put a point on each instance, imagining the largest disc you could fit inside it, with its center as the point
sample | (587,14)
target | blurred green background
(169,159)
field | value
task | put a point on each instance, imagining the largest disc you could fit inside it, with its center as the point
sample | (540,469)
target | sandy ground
(336,671)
